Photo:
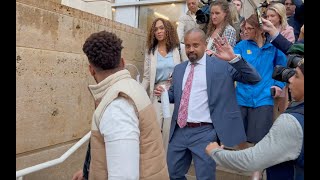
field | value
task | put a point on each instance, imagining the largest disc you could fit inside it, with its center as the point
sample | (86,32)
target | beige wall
(99,8)
(53,104)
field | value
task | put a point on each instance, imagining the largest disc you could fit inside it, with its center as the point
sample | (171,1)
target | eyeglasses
(249,29)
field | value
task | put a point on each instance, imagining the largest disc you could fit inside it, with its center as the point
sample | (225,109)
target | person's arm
(240,70)
(120,128)
(146,71)
(282,143)
(243,72)
(301,35)
(278,40)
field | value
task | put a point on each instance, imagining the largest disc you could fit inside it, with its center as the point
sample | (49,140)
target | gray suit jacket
(224,110)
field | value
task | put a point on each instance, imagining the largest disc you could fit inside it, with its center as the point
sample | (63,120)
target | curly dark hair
(103,50)
(172,40)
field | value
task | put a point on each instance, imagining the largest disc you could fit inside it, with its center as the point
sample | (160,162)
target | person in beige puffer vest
(126,141)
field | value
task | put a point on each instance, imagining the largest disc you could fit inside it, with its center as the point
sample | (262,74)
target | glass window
(171,12)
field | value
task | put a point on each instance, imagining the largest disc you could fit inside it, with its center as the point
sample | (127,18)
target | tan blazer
(150,64)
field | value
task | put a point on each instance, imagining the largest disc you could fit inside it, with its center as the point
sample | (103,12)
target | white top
(198,108)
(120,128)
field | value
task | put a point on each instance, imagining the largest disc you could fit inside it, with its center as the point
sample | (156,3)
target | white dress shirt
(120,128)
(198,108)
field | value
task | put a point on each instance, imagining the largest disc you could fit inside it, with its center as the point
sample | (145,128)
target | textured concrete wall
(99,8)
(53,104)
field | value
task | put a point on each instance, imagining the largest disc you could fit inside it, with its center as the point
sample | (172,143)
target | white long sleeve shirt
(120,128)
(198,108)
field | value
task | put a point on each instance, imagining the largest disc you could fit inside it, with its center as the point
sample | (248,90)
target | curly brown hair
(103,50)
(225,8)
(172,40)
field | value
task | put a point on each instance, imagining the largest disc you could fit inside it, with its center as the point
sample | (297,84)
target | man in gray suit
(205,105)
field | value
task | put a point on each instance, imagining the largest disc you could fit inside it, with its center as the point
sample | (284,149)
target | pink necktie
(183,109)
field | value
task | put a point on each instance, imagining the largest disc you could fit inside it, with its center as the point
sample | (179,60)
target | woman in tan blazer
(161,55)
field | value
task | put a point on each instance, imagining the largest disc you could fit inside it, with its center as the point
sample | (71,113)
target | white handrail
(47,164)
(138,73)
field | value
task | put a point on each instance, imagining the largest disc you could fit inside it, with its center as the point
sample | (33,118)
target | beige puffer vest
(153,165)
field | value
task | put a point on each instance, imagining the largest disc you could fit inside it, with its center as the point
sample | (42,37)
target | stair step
(224,174)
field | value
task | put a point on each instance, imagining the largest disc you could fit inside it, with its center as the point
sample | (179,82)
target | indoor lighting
(161,15)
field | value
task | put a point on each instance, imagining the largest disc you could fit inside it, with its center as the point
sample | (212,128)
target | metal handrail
(138,73)
(47,164)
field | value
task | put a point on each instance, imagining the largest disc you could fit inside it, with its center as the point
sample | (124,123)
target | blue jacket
(264,60)
(224,110)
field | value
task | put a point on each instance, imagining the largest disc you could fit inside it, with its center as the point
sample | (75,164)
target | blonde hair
(280,9)
(234,13)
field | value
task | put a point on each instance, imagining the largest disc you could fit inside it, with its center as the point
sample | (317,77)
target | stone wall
(53,104)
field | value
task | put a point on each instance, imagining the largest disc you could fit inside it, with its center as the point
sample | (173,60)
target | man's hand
(158,90)
(268,27)
(223,49)
(211,146)
(78,175)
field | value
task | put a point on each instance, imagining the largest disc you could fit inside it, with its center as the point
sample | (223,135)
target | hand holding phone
(273,91)
(259,16)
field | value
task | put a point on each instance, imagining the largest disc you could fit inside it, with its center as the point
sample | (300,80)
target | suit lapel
(180,79)
(209,69)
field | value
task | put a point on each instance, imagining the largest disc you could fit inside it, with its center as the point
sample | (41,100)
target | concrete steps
(224,174)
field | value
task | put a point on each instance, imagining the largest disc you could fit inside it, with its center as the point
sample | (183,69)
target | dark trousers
(189,144)
(282,171)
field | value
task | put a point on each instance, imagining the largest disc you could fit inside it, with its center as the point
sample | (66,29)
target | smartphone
(273,91)
(259,16)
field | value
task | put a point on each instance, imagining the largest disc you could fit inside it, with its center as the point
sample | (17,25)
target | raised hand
(224,50)
(268,27)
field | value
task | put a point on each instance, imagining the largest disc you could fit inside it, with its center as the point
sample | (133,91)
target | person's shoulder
(242,43)
(229,27)
(182,64)
(184,17)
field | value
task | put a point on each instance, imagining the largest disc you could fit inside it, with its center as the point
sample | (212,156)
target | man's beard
(192,57)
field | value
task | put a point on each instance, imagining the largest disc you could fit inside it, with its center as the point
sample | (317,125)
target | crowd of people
(227,107)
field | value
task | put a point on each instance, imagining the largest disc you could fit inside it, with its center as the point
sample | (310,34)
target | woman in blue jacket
(256,101)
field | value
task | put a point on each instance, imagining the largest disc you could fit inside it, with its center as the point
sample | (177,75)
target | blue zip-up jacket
(264,59)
